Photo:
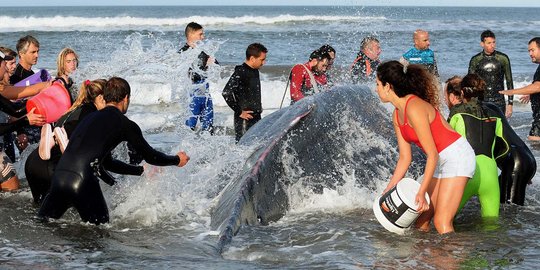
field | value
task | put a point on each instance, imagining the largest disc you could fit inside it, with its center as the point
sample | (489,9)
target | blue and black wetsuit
(201,105)
(423,57)
(75,180)
(494,69)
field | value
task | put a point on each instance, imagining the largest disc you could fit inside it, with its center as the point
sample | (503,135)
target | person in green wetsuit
(484,131)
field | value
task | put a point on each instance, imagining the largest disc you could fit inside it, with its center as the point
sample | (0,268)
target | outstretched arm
(527,90)
(150,155)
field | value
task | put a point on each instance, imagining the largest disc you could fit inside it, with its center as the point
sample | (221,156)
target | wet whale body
(318,141)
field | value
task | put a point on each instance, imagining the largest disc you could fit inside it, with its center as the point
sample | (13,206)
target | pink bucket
(51,102)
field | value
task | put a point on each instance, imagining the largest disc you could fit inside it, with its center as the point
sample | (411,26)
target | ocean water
(161,220)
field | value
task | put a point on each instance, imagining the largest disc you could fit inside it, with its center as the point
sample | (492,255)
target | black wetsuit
(363,69)
(494,69)
(518,165)
(535,105)
(75,181)
(243,93)
(20,74)
(39,172)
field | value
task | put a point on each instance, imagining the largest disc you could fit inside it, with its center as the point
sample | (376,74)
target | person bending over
(75,180)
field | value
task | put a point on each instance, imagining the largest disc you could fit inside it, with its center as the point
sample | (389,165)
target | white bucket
(396,209)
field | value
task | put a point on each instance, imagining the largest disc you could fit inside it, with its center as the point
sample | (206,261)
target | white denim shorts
(457,159)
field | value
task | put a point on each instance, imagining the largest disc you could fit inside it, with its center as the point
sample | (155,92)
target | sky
(494,3)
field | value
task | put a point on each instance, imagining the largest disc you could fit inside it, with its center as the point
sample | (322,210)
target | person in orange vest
(366,62)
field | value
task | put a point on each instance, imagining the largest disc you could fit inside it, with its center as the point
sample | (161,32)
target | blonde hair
(61,59)
(88,93)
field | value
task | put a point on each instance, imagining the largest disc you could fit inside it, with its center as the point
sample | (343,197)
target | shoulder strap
(312,79)
(405,120)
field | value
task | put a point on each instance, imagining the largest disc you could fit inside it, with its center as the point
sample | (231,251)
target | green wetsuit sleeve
(457,123)
(503,146)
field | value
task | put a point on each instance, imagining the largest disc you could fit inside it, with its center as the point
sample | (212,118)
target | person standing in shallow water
(243,90)
(201,105)
(532,89)
(494,68)
(366,62)
(450,160)
(75,180)
(421,53)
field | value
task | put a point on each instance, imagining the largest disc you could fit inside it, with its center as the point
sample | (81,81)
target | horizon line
(255,5)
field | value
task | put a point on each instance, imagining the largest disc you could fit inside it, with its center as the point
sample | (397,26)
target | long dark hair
(472,86)
(411,79)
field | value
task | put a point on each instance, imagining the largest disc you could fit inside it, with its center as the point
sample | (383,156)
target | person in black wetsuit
(38,171)
(243,90)
(75,180)
(8,177)
(201,105)
(28,50)
(532,89)
(364,66)
(494,68)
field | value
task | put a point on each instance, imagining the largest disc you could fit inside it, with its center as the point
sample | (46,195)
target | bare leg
(450,191)
(424,220)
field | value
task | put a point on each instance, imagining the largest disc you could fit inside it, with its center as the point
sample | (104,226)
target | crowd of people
(76,150)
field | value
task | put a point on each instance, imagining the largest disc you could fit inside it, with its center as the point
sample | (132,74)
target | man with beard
(307,79)
(533,89)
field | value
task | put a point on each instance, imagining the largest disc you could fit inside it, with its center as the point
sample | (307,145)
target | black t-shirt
(535,98)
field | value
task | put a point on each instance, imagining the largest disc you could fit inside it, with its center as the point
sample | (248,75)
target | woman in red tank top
(413,92)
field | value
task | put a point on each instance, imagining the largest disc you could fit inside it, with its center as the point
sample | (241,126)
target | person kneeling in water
(74,182)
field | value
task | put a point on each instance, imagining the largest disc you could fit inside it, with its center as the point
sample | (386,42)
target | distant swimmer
(450,160)
(243,90)
(75,180)
(494,68)
(367,60)
(421,53)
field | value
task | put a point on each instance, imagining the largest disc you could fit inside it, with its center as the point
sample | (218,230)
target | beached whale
(344,131)
(320,140)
